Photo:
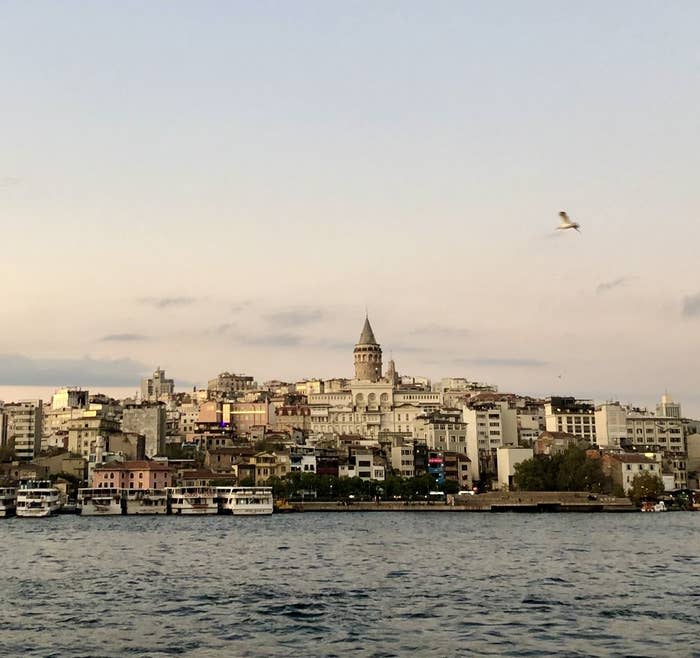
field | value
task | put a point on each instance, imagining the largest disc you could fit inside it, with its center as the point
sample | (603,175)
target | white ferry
(192,500)
(100,502)
(37,498)
(245,500)
(8,501)
(146,501)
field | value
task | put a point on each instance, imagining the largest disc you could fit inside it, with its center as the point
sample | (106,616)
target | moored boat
(100,501)
(245,501)
(37,498)
(192,500)
(652,506)
(146,501)
(8,501)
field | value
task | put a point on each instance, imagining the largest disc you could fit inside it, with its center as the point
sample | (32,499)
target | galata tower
(368,356)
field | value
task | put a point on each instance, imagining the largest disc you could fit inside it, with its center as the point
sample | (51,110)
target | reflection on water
(373,584)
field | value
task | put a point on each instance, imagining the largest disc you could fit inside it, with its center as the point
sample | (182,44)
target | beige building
(157,388)
(508,458)
(623,467)
(610,425)
(566,414)
(228,384)
(21,427)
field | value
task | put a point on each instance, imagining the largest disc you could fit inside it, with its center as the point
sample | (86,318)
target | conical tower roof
(367,335)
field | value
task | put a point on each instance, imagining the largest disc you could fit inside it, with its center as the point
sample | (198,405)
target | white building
(566,414)
(508,458)
(402,460)
(610,425)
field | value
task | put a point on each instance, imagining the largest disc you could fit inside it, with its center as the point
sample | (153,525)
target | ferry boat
(8,501)
(245,500)
(146,501)
(37,498)
(100,502)
(192,500)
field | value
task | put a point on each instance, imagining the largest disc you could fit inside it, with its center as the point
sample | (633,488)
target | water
(363,584)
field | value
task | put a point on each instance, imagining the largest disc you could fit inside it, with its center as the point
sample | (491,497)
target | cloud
(239,307)
(9,181)
(295,317)
(270,340)
(609,285)
(441,331)
(499,362)
(123,338)
(167,302)
(18,370)
(334,345)
(691,306)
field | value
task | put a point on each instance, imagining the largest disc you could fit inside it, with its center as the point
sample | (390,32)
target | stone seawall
(544,501)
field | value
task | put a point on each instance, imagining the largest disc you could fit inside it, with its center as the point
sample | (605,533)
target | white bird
(565,222)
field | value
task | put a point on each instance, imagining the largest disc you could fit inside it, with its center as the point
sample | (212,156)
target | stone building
(368,356)
(148,420)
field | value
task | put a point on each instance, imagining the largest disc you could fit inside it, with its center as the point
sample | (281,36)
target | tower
(368,355)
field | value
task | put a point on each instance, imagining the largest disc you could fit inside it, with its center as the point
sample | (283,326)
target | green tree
(450,486)
(7,453)
(572,470)
(645,485)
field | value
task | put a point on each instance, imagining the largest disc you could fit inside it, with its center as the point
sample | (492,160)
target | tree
(7,453)
(645,485)
(572,470)
(450,486)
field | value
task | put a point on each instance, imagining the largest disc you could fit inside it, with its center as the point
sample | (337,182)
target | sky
(216,186)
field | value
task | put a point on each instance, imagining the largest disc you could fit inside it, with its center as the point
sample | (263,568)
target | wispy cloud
(9,181)
(19,370)
(441,331)
(225,328)
(270,340)
(691,306)
(167,302)
(296,317)
(606,286)
(334,345)
(123,338)
(239,307)
(502,362)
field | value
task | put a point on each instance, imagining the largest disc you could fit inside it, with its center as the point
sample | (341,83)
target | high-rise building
(157,388)
(21,426)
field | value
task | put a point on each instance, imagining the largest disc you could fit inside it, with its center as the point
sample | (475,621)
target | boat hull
(204,509)
(137,507)
(93,509)
(37,512)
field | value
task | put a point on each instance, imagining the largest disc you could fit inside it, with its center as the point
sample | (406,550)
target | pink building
(132,475)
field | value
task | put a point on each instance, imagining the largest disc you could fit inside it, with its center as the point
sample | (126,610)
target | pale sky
(212,186)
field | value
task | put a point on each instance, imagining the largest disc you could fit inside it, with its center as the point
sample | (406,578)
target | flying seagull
(565,222)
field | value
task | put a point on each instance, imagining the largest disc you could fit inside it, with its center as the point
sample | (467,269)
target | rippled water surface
(365,584)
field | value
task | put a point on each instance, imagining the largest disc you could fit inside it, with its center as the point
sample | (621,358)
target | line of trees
(326,487)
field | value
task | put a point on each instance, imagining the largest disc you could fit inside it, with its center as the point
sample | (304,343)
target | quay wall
(541,501)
